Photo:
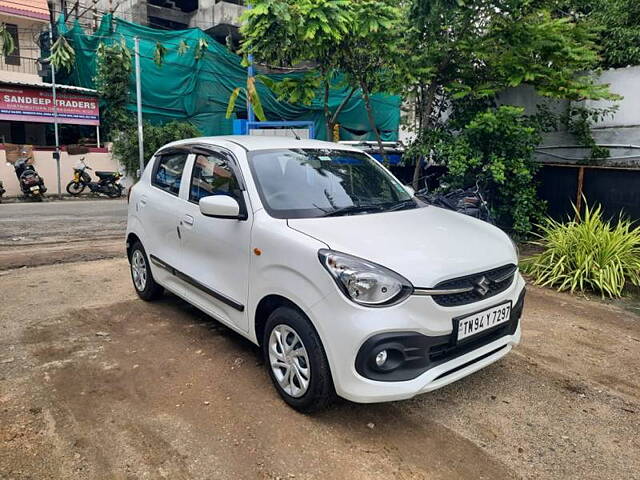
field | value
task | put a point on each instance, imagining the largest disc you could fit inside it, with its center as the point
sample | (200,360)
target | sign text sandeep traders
(36,105)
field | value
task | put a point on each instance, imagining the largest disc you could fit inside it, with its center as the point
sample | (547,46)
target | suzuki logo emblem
(482,286)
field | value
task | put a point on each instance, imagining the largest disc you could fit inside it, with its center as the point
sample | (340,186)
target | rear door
(216,251)
(159,210)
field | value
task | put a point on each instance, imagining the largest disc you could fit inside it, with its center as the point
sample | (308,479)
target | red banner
(36,105)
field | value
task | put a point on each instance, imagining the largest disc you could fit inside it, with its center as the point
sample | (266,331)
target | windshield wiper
(352,209)
(401,205)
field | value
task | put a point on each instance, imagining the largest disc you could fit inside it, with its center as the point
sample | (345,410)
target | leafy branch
(251,94)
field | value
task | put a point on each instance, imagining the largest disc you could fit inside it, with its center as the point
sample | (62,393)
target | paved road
(60,231)
(97,384)
(62,220)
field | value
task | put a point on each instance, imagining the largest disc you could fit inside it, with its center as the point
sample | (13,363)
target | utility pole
(250,72)
(139,105)
(56,154)
(250,116)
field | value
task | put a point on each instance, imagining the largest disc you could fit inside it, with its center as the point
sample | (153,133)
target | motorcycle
(469,201)
(31,184)
(107,183)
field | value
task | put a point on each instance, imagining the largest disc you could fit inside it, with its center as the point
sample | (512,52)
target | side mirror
(410,190)
(219,206)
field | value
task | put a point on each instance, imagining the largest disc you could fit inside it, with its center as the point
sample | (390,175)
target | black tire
(115,190)
(149,289)
(320,392)
(75,188)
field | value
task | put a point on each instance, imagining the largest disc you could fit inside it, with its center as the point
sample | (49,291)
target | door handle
(188,220)
(143,200)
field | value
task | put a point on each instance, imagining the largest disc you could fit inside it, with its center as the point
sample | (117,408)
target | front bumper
(348,330)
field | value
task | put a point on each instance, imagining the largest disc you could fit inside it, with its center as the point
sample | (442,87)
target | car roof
(263,142)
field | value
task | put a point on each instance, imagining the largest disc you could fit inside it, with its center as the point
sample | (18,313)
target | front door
(216,251)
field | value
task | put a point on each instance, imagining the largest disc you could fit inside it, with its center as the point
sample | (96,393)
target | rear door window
(167,173)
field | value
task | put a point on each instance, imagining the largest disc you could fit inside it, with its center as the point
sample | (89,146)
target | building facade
(26,21)
(220,19)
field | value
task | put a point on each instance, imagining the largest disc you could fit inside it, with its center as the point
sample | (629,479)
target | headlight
(366,283)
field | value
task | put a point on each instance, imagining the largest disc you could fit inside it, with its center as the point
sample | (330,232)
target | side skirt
(193,282)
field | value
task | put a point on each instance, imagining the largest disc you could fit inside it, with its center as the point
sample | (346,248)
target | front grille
(499,280)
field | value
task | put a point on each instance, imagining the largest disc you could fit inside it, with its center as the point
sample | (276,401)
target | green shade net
(184,88)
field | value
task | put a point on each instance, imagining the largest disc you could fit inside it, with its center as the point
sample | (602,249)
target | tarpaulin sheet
(184,88)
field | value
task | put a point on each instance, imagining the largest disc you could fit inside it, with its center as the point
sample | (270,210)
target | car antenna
(297,137)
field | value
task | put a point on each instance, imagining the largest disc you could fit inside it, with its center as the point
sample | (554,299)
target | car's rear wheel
(146,287)
(296,361)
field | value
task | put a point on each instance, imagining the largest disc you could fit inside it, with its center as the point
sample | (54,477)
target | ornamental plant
(588,253)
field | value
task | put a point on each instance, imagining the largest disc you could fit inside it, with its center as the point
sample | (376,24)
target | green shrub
(496,148)
(587,254)
(125,143)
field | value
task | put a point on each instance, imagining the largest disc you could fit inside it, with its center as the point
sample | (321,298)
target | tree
(284,33)
(125,145)
(617,25)
(367,53)
(454,49)
(113,71)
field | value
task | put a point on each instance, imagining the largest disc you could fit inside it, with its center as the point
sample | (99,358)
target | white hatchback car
(315,252)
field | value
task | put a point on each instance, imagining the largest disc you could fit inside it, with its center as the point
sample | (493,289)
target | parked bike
(107,183)
(469,201)
(31,184)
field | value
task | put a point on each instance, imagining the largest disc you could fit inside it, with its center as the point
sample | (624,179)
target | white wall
(45,165)
(622,128)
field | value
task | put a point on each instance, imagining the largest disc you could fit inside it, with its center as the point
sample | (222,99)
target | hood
(425,245)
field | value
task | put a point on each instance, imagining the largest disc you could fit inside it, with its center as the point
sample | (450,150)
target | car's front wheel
(296,361)
(146,287)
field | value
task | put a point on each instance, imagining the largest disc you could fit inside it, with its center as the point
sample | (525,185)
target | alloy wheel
(139,270)
(289,360)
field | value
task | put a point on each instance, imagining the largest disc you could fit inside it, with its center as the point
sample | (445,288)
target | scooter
(31,184)
(108,183)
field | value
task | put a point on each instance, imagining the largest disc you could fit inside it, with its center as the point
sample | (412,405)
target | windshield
(303,183)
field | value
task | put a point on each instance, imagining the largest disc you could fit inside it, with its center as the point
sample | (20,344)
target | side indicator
(257,251)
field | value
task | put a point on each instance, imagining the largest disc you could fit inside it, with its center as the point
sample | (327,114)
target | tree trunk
(372,120)
(327,112)
(425,122)
(334,117)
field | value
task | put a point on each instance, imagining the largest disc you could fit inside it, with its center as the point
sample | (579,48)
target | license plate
(478,322)
(33,189)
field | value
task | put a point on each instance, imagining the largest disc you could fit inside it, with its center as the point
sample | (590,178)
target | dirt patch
(60,252)
(95,383)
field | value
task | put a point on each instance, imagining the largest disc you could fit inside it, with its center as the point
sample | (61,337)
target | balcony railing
(17,64)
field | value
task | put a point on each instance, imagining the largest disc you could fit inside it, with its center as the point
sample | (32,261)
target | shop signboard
(29,104)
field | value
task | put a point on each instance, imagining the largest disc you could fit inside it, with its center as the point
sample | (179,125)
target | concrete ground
(95,383)
(61,231)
